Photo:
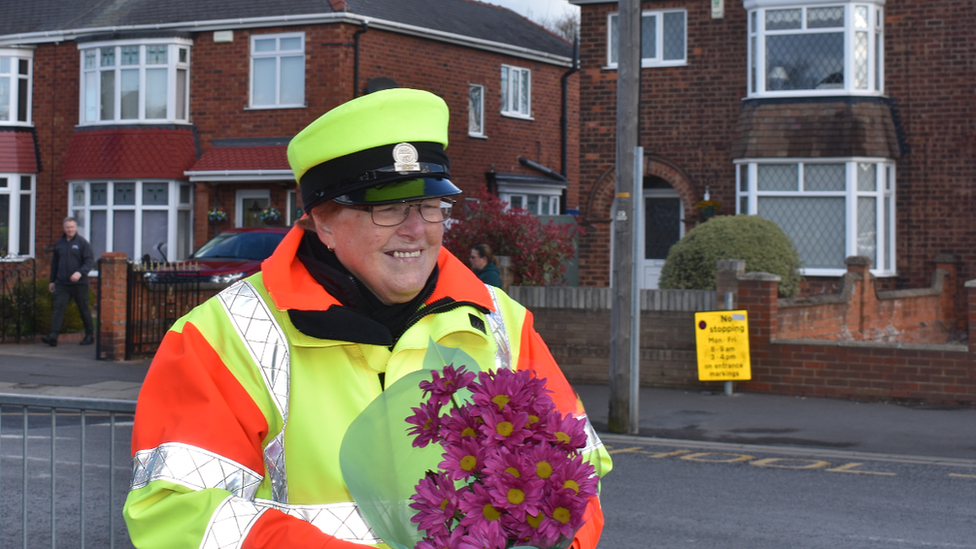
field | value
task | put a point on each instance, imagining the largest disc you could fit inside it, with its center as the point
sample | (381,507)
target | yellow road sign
(722,340)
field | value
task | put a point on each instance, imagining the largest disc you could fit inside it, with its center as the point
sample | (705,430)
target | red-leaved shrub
(538,251)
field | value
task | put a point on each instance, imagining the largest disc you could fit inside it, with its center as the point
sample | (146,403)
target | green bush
(691,263)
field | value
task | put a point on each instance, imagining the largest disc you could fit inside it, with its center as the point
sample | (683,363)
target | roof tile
(18,153)
(130,153)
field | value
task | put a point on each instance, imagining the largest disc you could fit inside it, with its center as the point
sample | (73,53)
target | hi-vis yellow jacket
(239,421)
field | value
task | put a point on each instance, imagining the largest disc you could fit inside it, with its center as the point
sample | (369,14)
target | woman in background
(484,265)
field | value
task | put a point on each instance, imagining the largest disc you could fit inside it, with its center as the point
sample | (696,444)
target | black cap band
(346,174)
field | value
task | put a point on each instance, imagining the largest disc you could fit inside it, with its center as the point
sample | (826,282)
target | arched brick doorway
(670,191)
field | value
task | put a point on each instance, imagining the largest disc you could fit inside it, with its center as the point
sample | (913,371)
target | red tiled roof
(130,153)
(243,158)
(17,152)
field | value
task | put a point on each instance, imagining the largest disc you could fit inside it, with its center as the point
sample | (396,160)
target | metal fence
(18,299)
(158,294)
(65,468)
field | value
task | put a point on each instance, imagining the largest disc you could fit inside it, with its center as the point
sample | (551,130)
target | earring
(330,248)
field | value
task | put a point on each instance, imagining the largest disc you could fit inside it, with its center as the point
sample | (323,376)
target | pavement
(667,416)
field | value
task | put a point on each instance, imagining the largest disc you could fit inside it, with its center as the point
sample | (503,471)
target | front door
(662,228)
(250,203)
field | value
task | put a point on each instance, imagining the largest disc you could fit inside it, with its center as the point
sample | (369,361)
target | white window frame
(658,59)
(11,78)
(243,194)
(510,104)
(476,110)
(294,213)
(553,195)
(179,238)
(277,54)
(19,199)
(90,84)
(884,263)
(869,29)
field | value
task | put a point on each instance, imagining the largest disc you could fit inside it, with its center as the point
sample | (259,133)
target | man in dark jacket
(72,260)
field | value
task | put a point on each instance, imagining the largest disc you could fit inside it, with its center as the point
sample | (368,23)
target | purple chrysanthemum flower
(459,425)
(463,460)
(507,427)
(484,535)
(495,390)
(436,501)
(443,385)
(568,431)
(477,508)
(426,422)
(562,514)
(577,476)
(543,460)
(516,496)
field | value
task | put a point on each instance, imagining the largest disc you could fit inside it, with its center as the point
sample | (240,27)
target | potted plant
(216,215)
(270,215)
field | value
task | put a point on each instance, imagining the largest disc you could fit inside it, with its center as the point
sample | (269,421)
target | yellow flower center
(543,469)
(562,437)
(491,513)
(534,521)
(513,471)
(444,504)
(572,485)
(468,463)
(468,432)
(516,496)
(561,514)
(504,428)
(533,419)
(500,400)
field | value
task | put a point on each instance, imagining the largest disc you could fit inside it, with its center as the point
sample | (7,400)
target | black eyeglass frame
(406,212)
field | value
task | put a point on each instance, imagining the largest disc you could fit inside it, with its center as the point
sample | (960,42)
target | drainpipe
(355,69)
(564,119)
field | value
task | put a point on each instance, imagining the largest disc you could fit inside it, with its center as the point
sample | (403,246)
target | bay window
(831,209)
(15,86)
(135,82)
(816,48)
(139,218)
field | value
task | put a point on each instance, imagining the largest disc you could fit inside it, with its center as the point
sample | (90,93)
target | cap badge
(405,158)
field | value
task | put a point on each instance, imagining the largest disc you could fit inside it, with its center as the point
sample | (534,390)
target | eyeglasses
(434,210)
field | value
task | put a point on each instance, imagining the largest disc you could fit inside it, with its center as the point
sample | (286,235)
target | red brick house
(847,122)
(138,117)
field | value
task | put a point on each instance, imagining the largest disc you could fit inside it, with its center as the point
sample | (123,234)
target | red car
(228,257)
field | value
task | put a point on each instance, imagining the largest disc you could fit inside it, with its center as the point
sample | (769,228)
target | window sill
(478,136)
(517,116)
(274,107)
(682,63)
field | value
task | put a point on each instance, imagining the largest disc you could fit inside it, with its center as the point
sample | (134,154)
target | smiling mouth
(406,254)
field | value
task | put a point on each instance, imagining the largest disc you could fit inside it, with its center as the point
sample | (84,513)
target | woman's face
(393,262)
(477,261)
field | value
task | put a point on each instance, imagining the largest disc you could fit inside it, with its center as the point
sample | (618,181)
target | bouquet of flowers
(511,473)
(270,214)
(216,215)
(483,460)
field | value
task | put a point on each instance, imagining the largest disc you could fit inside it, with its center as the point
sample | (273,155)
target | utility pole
(622,417)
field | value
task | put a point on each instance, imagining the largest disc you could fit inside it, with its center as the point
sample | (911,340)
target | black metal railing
(18,299)
(158,294)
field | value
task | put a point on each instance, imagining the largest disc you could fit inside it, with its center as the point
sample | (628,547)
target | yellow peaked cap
(381,118)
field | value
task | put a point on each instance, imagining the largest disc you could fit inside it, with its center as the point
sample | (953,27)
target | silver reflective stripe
(266,343)
(341,520)
(593,441)
(193,467)
(230,523)
(503,350)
